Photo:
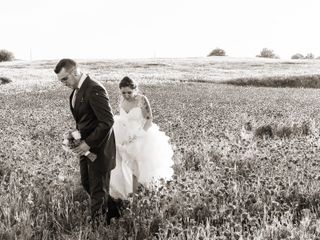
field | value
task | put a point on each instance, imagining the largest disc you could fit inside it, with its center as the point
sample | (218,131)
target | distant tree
(297,56)
(217,52)
(309,56)
(5,55)
(267,53)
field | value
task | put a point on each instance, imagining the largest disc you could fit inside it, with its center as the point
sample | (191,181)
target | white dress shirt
(74,96)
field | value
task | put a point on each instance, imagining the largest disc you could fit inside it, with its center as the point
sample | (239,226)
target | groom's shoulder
(94,84)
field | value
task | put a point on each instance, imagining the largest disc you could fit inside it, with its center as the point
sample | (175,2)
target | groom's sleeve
(99,102)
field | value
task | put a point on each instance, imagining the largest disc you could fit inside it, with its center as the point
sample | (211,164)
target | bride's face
(128,93)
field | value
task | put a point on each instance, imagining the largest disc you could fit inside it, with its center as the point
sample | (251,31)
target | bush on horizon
(217,52)
(5,55)
(268,53)
(309,56)
(297,56)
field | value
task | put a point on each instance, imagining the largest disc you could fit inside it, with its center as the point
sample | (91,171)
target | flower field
(247,159)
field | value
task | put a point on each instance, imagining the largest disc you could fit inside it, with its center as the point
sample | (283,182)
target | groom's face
(67,77)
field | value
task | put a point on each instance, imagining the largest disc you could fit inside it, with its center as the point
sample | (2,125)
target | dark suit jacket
(93,115)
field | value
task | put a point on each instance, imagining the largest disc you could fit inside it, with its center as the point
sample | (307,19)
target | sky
(107,29)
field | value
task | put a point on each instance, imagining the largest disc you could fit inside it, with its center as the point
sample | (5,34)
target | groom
(92,112)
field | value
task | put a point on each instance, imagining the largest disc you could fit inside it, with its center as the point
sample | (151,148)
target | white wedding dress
(146,154)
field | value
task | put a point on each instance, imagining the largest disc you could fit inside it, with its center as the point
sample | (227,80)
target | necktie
(74,96)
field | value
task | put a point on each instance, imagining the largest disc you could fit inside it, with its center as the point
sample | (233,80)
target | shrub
(217,52)
(6,55)
(267,53)
(4,80)
(285,130)
(297,56)
(264,131)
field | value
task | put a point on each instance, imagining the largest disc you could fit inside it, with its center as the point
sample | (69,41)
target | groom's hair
(65,63)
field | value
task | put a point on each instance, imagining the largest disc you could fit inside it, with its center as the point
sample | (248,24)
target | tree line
(6,55)
(265,53)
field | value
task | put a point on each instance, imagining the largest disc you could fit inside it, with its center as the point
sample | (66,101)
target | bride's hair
(128,82)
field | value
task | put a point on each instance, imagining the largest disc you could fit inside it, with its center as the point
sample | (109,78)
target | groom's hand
(82,148)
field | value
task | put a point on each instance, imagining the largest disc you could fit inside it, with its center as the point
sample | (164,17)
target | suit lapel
(70,102)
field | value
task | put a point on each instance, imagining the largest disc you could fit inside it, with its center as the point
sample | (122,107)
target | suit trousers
(96,184)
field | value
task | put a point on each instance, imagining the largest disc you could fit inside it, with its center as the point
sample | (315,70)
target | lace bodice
(134,115)
(130,125)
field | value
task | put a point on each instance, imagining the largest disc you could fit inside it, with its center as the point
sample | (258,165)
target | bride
(144,154)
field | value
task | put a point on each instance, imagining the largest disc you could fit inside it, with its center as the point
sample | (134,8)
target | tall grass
(230,181)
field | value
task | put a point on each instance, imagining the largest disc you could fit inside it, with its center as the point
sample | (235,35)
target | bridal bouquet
(72,139)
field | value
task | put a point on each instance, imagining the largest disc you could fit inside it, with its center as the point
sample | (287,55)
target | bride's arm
(146,112)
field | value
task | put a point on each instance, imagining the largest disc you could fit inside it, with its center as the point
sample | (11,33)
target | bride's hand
(147,125)
(146,128)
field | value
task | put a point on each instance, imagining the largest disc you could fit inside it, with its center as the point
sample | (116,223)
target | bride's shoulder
(141,99)
(140,96)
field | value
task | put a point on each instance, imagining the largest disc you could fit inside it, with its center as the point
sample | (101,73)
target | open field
(233,179)
(212,69)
